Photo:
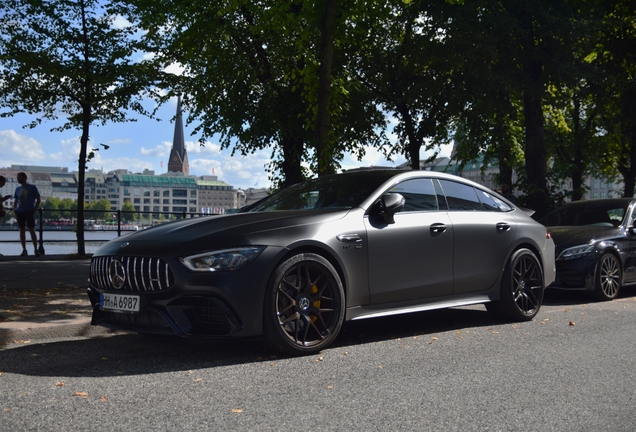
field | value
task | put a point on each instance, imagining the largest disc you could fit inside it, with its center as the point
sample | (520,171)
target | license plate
(119,302)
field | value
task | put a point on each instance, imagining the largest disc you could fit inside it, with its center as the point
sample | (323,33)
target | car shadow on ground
(132,354)
(558,297)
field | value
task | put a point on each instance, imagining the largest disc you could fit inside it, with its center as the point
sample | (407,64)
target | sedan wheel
(608,278)
(304,305)
(521,288)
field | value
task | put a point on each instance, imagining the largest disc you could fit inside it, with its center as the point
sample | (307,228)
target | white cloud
(207,149)
(111,164)
(162,150)
(119,22)
(118,141)
(175,69)
(16,148)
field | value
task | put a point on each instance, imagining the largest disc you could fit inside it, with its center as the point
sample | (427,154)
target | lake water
(55,242)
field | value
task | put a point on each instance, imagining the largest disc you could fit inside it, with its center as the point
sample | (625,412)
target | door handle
(438,228)
(502,226)
(349,238)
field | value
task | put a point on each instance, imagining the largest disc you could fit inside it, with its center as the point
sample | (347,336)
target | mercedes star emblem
(116,274)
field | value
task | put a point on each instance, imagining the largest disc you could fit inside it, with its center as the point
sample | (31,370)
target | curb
(21,332)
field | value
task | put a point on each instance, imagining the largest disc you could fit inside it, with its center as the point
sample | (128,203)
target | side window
(460,196)
(419,195)
(492,203)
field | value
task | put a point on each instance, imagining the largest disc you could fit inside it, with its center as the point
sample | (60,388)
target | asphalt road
(571,369)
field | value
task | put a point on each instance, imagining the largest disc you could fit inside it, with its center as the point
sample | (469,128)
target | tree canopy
(542,87)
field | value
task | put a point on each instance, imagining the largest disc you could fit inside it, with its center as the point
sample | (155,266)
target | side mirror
(390,204)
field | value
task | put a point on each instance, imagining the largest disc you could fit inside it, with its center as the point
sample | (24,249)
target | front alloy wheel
(608,277)
(521,288)
(304,305)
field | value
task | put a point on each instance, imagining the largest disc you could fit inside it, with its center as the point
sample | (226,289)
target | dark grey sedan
(595,245)
(295,265)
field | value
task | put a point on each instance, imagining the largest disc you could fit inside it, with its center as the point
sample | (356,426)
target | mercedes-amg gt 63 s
(294,266)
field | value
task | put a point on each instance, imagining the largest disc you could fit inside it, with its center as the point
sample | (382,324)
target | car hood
(200,233)
(568,236)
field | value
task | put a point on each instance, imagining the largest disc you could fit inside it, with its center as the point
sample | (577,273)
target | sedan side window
(460,196)
(419,195)
(491,202)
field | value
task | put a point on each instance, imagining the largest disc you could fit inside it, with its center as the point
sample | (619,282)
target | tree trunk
(414,144)
(292,151)
(628,170)
(81,250)
(86,121)
(324,154)
(535,153)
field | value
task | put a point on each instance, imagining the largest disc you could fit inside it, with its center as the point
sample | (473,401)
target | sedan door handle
(502,226)
(349,238)
(438,228)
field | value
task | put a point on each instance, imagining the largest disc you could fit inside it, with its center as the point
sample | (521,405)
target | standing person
(3,212)
(26,201)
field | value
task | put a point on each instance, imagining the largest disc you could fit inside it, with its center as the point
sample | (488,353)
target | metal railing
(112,220)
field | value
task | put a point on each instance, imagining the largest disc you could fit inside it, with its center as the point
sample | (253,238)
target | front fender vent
(138,273)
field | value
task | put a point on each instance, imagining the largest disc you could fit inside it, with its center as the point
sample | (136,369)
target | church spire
(178,156)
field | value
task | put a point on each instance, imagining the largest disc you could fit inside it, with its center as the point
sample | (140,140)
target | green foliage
(251,76)
(402,61)
(543,87)
(98,210)
(128,212)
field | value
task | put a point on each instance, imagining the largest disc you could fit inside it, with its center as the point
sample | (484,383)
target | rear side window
(491,202)
(419,195)
(460,196)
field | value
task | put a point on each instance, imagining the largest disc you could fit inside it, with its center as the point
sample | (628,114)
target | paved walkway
(44,298)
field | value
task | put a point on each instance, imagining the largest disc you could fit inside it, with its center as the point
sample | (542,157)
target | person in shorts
(26,201)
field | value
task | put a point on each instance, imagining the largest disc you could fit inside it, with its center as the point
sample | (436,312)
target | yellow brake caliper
(314,290)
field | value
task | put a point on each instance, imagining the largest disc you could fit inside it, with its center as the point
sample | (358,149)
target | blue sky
(144,144)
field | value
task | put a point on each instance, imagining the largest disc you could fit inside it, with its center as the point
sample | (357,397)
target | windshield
(610,213)
(342,191)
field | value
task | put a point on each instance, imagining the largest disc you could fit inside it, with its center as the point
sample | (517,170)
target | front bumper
(187,315)
(175,300)
(576,274)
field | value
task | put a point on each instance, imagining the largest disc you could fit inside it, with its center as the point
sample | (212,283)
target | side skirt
(374,311)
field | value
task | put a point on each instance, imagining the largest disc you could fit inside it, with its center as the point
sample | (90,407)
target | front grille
(138,273)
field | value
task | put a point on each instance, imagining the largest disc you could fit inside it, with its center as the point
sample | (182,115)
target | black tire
(609,277)
(304,305)
(522,288)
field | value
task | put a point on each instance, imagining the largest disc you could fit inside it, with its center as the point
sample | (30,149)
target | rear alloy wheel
(304,305)
(521,288)
(608,277)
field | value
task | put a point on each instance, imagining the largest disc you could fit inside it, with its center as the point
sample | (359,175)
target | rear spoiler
(527,211)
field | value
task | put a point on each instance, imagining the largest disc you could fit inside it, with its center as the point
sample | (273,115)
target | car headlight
(576,252)
(226,259)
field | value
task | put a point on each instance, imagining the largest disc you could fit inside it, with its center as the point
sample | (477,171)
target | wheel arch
(533,248)
(311,248)
(523,245)
(611,249)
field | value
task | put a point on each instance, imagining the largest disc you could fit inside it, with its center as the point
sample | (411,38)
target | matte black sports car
(595,245)
(293,266)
